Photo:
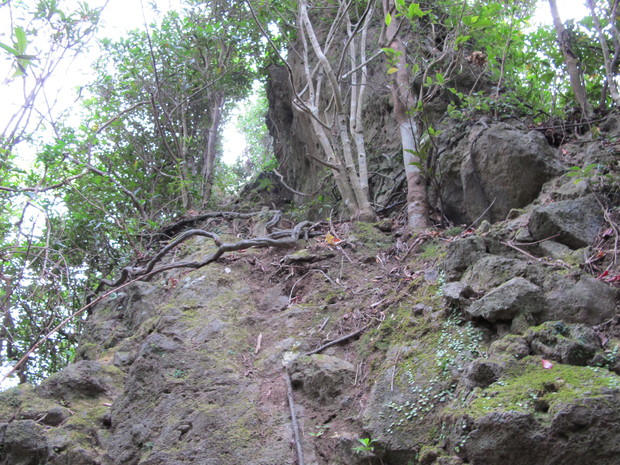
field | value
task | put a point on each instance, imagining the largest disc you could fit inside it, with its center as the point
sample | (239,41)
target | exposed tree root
(287,238)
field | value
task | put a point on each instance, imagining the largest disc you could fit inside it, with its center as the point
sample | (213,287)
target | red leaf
(603,274)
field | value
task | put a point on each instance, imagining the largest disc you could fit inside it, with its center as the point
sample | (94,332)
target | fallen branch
(337,341)
(291,404)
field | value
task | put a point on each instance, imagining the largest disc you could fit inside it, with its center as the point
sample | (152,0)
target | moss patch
(369,235)
(528,387)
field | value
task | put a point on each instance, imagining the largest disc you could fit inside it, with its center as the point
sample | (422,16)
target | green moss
(23,401)
(455,231)
(431,250)
(369,235)
(530,388)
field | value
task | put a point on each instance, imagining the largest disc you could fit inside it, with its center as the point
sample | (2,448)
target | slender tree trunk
(404,100)
(613,88)
(358,92)
(572,62)
(360,198)
(7,321)
(182,164)
(209,154)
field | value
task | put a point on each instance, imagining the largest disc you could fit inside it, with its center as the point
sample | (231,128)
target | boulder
(572,344)
(580,299)
(461,254)
(576,222)
(564,415)
(505,302)
(497,168)
(493,270)
(24,442)
(83,379)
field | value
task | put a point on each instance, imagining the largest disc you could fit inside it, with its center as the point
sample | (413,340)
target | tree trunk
(572,62)
(613,88)
(404,100)
(345,156)
(209,154)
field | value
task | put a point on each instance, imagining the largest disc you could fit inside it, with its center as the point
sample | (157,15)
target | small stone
(55,416)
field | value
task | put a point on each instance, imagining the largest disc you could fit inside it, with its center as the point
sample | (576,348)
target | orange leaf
(332,240)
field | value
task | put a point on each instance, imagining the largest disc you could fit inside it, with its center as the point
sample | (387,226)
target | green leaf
(11,50)
(415,11)
(461,39)
(388,19)
(22,42)
(429,81)
(392,70)
(440,79)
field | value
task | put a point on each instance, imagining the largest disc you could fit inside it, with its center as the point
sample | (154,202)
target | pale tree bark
(607,59)
(320,130)
(210,152)
(404,101)
(357,203)
(358,93)
(572,62)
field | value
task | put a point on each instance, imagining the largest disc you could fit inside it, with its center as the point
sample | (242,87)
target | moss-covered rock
(537,415)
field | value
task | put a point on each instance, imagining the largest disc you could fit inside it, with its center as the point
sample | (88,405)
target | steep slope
(486,346)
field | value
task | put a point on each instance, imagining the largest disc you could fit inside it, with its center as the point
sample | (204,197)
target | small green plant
(366,445)
(320,431)
(586,173)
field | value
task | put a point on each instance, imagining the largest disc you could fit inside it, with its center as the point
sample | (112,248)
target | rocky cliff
(493,344)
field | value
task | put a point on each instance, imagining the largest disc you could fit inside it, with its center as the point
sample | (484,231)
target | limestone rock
(575,222)
(82,380)
(563,415)
(461,254)
(556,250)
(572,344)
(321,377)
(493,270)
(499,167)
(481,373)
(511,344)
(457,293)
(505,302)
(24,441)
(582,299)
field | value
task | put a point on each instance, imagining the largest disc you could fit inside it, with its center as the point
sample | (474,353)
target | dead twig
(337,341)
(291,404)
(532,257)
